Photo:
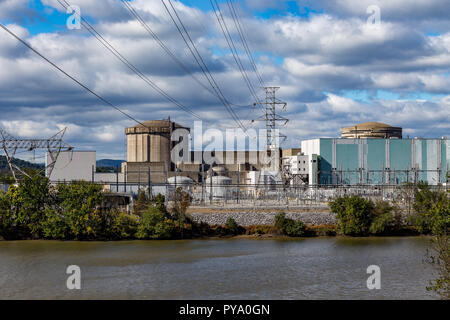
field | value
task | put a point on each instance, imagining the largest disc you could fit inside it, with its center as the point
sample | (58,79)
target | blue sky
(332,67)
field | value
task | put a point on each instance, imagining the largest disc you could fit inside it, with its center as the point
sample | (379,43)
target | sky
(337,64)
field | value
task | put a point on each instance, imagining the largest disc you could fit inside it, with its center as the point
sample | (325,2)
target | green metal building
(380,161)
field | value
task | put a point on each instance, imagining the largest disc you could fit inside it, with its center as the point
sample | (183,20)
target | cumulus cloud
(315,60)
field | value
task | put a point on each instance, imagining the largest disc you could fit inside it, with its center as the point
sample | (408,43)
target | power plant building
(380,161)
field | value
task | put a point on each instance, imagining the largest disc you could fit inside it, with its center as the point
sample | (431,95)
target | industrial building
(379,161)
(367,154)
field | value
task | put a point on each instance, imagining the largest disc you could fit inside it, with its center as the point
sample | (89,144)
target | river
(316,268)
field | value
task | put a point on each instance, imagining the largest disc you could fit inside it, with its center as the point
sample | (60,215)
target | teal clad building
(372,161)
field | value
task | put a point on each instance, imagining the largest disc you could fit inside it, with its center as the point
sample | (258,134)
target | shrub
(431,210)
(6,224)
(142,203)
(28,203)
(354,215)
(54,226)
(79,203)
(124,226)
(232,226)
(383,218)
(155,225)
(288,226)
(260,230)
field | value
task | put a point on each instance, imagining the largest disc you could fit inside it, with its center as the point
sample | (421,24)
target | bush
(155,225)
(354,215)
(232,226)
(383,218)
(79,203)
(6,224)
(28,203)
(431,210)
(288,226)
(124,226)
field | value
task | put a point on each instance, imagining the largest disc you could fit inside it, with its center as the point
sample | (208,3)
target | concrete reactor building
(372,130)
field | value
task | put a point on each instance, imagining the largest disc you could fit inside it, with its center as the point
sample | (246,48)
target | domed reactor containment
(372,130)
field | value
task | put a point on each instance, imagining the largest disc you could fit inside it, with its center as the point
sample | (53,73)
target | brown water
(323,268)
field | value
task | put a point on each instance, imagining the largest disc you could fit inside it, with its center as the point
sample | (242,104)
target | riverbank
(251,218)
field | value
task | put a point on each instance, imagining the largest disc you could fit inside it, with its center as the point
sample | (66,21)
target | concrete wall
(76,165)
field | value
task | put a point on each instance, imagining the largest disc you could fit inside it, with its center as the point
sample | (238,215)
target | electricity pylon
(54,146)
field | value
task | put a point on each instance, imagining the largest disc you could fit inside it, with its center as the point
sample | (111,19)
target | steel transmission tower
(54,146)
(271,117)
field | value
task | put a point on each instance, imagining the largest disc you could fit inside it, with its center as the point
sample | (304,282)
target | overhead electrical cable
(127,63)
(244,41)
(180,63)
(68,75)
(233,49)
(199,60)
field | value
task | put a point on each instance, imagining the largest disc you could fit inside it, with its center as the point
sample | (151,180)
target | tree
(232,226)
(384,218)
(29,202)
(354,215)
(431,210)
(288,226)
(181,203)
(142,203)
(80,203)
(439,257)
(155,225)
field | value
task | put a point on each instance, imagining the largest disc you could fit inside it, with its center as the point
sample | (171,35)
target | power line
(132,67)
(183,66)
(68,75)
(231,45)
(233,49)
(241,32)
(199,60)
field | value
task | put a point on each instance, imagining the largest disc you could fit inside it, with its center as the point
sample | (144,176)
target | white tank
(179,181)
(221,187)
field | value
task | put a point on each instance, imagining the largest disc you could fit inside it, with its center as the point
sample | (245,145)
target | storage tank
(221,187)
(180,181)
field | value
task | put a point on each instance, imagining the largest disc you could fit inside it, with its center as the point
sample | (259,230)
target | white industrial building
(79,166)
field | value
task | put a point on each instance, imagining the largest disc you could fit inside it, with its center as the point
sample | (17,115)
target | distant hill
(20,163)
(108,163)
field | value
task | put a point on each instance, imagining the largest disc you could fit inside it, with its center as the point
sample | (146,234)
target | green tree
(354,215)
(439,257)
(6,220)
(384,218)
(181,203)
(431,210)
(124,226)
(29,202)
(232,226)
(155,224)
(80,203)
(289,227)
(142,203)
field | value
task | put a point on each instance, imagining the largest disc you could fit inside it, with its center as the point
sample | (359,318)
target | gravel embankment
(253,218)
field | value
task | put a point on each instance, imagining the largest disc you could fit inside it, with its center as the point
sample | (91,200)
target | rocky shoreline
(247,219)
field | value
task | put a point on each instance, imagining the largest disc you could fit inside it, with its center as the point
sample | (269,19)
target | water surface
(321,268)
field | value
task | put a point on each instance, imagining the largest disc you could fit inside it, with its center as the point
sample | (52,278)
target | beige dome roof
(365,125)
